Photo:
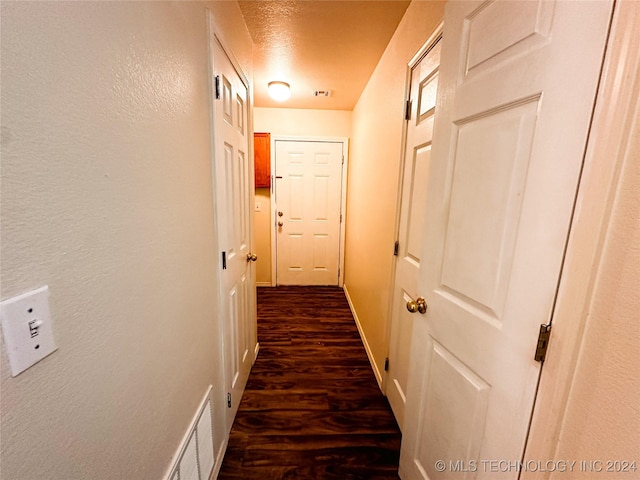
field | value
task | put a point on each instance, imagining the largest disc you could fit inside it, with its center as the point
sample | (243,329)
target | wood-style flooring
(312,408)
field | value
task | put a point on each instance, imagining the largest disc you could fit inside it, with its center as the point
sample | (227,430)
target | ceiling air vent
(321,93)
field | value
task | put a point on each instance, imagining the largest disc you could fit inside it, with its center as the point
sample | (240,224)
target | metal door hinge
(543,342)
(342,159)
(229,400)
(340,218)
(217,87)
(386,364)
(396,248)
(407,110)
(224,260)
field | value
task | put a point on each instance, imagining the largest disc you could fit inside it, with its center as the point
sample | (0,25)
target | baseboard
(374,367)
(264,284)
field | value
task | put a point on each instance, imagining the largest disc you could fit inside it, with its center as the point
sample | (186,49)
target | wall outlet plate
(26,328)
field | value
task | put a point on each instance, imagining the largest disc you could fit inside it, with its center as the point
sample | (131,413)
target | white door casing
(308,211)
(232,181)
(415,174)
(516,91)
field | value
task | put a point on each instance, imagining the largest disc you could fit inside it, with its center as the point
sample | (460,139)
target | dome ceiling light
(279,91)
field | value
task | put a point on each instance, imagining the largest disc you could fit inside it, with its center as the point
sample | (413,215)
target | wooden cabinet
(262,159)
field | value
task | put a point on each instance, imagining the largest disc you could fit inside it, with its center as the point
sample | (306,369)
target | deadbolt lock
(280,214)
(420,305)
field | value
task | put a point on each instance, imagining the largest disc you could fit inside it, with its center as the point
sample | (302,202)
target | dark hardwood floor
(312,408)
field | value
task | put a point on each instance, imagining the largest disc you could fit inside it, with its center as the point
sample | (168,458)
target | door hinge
(386,364)
(224,260)
(217,87)
(342,159)
(543,342)
(340,218)
(407,110)
(229,400)
(396,248)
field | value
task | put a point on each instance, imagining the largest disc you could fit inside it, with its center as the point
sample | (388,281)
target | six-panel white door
(232,181)
(424,84)
(516,91)
(308,192)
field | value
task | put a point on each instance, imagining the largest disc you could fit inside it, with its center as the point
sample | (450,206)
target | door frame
(343,195)
(436,35)
(618,96)
(220,411)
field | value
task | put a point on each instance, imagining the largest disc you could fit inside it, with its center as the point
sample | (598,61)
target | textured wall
(374,171)
(602,419)
(297,122)
(106,197)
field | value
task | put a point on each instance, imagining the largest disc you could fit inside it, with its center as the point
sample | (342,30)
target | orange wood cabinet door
(262,155)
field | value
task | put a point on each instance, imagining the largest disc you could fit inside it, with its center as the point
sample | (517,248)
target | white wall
(107,198)
(602,420)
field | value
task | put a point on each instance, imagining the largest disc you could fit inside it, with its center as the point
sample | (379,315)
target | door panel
(417,201)
(488,176)
(515,95)
(446,432)
(232,182)
(415,176)
(308,193)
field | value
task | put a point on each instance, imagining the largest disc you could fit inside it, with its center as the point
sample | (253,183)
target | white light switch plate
(26,328)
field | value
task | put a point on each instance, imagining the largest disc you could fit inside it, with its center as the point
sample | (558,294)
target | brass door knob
(280,224)
(251,257)
(420,305)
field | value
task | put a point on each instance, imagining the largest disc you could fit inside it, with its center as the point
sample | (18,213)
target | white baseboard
(374,367)
(264,284)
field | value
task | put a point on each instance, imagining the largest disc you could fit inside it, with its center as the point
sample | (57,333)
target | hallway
(312,408)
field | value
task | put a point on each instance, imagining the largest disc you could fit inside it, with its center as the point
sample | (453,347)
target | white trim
(343,200)
(264,284)
(219,458)
(272,209)
(367,348)
(428,45)
(218,407)
(609,139)
(219,426)
(256,350)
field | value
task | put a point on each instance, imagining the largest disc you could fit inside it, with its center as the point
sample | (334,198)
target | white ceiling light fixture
(279,91)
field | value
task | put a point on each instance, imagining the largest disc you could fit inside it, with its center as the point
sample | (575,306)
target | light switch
(26,328)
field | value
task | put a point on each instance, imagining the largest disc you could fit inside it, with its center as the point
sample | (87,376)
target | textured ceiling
(318,45)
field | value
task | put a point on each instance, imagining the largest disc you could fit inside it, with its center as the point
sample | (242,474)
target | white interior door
(516,90)
(424,84)
(308,198)
(232,190)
